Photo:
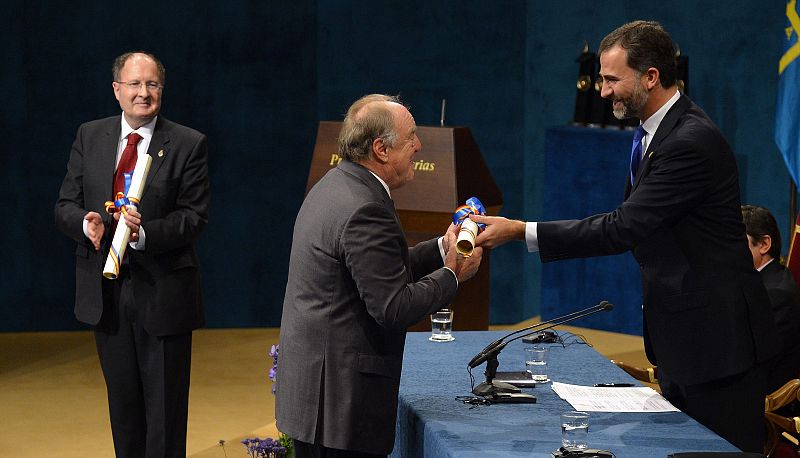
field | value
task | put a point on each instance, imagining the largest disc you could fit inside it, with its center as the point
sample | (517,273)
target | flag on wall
(787,114)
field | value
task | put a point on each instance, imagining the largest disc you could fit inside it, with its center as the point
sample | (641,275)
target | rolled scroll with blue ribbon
(465,243)
(121,204)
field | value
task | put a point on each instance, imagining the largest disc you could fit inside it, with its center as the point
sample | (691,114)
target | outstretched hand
(498,230)
(94,229)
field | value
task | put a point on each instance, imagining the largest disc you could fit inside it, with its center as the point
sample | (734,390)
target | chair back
(793,256)
(782,415)
(646,374)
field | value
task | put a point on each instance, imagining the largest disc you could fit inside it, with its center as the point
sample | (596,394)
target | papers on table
(604,399)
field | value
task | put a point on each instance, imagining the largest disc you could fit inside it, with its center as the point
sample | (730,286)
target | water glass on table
(574,430)
(442,326)
(536,363)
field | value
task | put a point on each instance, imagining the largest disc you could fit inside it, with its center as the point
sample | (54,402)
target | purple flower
(273,372)
(264,448)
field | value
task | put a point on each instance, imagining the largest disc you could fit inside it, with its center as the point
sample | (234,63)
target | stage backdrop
(257,77)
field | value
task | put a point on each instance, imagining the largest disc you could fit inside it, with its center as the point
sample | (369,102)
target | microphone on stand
(489,354)
(481,356)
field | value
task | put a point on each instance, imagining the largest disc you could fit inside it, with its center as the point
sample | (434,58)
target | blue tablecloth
(431,423)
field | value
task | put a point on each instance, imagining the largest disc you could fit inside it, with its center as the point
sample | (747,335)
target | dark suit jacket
(785,298)
(706,312)
(353,289)
(174,206)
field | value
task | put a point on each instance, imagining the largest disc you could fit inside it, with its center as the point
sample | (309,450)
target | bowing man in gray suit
(354,287)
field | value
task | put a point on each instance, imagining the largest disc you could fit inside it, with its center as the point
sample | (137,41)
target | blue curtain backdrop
(258,76)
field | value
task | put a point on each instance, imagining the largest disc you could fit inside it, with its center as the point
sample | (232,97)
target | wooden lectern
(448,171)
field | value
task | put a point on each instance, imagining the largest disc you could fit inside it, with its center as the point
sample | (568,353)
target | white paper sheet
(619,399)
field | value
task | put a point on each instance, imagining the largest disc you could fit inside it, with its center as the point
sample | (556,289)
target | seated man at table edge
(765,244)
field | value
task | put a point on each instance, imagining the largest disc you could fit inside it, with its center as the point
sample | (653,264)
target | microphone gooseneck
(478,359)
(489,354)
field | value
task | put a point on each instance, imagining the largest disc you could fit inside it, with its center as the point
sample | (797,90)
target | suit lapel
(667,125)
(364,175)
(158,151)
(107,162)
(361,173)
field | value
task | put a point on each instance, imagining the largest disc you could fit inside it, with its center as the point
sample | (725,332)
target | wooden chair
(793,256)
(777,423)
(647,375)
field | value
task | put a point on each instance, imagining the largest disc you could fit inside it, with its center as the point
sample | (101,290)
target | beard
(633,106)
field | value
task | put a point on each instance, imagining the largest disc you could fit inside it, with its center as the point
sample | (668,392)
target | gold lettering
(423,166)
(335,159)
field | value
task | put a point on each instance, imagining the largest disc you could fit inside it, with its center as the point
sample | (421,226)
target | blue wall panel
(584,175)
(258,76)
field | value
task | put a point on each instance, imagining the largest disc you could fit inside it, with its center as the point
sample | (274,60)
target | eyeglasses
(137,85)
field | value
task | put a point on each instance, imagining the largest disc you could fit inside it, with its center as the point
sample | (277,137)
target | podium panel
(449,170)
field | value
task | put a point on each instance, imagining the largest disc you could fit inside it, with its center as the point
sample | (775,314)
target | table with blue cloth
(432,423)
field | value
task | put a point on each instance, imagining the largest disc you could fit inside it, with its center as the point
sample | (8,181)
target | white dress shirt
(146,132)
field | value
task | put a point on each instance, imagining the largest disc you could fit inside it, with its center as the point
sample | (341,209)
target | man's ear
(380,151)
(117,87)
(653,78)
(765,244)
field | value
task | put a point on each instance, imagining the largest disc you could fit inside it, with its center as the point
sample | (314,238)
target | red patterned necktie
(126,163)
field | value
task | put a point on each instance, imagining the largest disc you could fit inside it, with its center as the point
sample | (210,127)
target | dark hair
(119,62)
(648,45)
(365,121)
(759,222)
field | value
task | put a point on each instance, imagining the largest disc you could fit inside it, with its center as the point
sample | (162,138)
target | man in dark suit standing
(784,295)
(143,320)
(708,323)
(354,287)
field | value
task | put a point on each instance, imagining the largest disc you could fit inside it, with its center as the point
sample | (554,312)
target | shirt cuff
(139,244)
(531,236)
(441,248)
(454,275)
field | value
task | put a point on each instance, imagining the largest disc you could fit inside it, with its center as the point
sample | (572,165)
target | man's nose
(605,91)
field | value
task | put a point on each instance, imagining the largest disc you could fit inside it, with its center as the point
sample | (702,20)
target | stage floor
(53,395)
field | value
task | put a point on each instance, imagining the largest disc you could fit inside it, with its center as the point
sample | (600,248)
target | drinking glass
(574,429)
(442,326)
(536,363)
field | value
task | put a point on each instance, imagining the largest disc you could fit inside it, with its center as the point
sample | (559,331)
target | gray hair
(366,121)
(119,62)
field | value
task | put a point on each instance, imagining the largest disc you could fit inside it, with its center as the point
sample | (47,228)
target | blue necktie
(636,151)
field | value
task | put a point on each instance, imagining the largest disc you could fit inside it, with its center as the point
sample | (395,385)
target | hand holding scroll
(464,267)
(469,229)
(498,230)
(132,219)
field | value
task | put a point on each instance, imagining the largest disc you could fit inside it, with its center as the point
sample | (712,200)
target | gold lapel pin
(651,154)
(161,153)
